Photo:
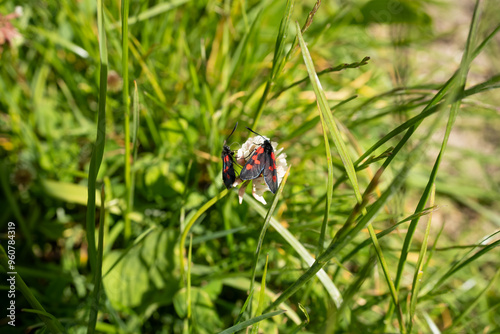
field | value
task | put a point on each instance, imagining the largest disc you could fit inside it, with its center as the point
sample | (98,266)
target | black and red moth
(228,175)
(262,161)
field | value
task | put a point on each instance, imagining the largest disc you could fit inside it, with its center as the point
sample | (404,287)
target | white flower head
(258,184)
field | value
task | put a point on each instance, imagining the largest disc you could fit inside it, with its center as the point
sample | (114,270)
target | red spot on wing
(260,150)
(249,166)
(257,162)
(274,160)
(226,158)
(274,178)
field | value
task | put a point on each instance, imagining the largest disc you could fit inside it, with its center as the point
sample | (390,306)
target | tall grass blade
(135,145)
(384,233)
(454,87)
(239,52)
(432,326)
(329,187)
(345,236)
(278,51)
(327,282)
(472,305)
(344,155)
(466,261)
(126,105)
(304,323)
(153,11)
(12,202)
(263,231)
(458,85)
(191,222)
(417,277)
(188,283)
(98,150)
(337,68)
(262,297)
(96,293)
(364,273)
(249,322)
(325,110)
(48,319)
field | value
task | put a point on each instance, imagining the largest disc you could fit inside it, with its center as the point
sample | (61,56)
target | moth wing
(228,175)
(254,166)
(270,173)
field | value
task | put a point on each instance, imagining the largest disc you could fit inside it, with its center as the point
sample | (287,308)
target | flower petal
(257,196)
(241,192)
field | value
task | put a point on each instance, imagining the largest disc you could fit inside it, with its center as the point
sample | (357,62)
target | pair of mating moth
(262,161)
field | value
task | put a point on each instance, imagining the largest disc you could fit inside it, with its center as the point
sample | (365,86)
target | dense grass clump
(386,219)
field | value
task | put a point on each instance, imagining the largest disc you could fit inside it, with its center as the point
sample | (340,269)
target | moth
(262,161)
(228,174)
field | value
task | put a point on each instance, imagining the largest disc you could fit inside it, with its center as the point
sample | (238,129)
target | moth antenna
(231,132)
(256,133)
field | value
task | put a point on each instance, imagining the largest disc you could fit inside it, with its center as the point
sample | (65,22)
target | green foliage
(148,271)
(376,115)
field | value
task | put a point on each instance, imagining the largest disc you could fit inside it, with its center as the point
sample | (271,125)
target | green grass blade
(98,151)
(239,52)
(136,242)
(270,213)
(278,51)
(12,202)
(29,310)
(384,233)
(447,87)
(345,236)
(328,284)
(329,187)
(432,325)
(152,79)
(188,281)
(249,322)
(337,68)
(481,46)
(417,277)
(387,276)
(469,260)
(306,25)
(263,231)
(262,297)
(153,11)
(473,304)
(96,293)
(135,146)
(325,110)
(50,321)
(126,105)
(281,38)
(461,77)
(364,273)
(431,108)
(344,155)
(56,38)
(433,249)
(304,323)
(191,222)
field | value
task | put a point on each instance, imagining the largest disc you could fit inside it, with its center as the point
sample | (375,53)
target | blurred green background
(202,66)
